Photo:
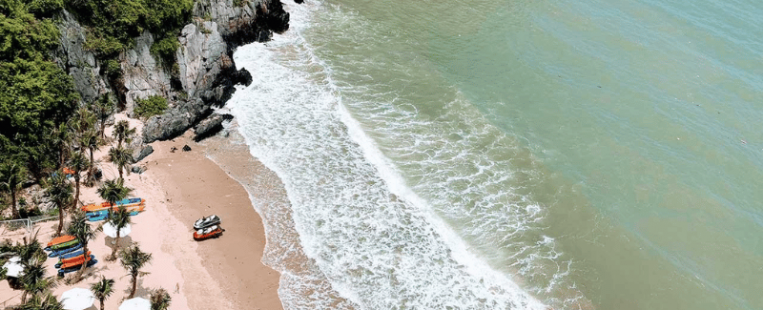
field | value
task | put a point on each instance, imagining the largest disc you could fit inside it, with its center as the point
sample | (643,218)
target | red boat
(206,233)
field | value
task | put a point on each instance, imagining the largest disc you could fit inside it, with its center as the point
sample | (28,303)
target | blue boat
(72,254)
(65,251)
(62,272)
(128,201)
(103,215)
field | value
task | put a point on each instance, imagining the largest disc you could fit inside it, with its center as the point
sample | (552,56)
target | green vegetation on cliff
(113,24)
(36,96)
(150,106)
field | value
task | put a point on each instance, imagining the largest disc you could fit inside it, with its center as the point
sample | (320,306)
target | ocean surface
(513,154)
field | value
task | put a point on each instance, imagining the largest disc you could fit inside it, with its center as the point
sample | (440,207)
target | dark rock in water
(144,152)
(98,174)
(299,1)
(138,169)
(186,148)
(208,127)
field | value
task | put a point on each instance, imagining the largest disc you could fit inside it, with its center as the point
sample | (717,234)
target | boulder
(175,121)
(299,1)
(186,148)
(208,127)
(138,169)
(142,153)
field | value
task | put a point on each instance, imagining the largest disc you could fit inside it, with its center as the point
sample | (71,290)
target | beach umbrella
(77,299)
(14,267)
(111,231)
(136,304)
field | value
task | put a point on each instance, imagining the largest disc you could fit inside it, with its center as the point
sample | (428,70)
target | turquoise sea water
(516,154)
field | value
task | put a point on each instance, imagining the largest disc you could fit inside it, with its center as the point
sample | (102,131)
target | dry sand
(180,187)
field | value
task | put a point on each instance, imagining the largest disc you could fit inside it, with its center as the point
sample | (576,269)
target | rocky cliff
(203,77)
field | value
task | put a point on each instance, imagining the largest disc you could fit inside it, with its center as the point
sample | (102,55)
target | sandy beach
(179,187)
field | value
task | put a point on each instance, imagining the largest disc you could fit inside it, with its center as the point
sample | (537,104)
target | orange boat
(61,239)
(68,171)
(73,261)
(77,261)
(211,232)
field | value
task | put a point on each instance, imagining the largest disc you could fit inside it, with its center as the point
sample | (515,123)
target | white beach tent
(14,267)
(136,304)
(77,299)
(111,231)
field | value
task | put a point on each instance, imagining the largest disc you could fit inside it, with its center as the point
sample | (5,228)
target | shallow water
(515,154)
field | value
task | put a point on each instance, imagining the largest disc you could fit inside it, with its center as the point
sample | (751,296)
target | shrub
(113,69)
(150,106)
(165,49)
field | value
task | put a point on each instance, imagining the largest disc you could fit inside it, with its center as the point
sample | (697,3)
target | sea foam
(368,236)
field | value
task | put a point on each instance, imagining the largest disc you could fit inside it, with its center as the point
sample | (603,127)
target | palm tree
(92,142)
(83,120)
(12,176)
(62,139)
(34,280)
(113,191)
(103,289)
(60,191)
(103,107)
(47,302)
(81,229)
(123,132)
(78,163)
(160,300)
(122,158)
(30,250)
(133,259)
(119,220)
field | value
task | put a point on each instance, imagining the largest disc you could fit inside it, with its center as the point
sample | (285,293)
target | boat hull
(61,252)
(213,234)
(61,239)
(63,271)
(74,261)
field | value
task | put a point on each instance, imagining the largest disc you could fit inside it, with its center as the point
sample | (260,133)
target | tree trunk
(23,297)
(120,172)
(103,130)
(116,246)
(16,214)
(84,264)
(101,303)
(60,218)
(76,192)
(92,166)
(134,285)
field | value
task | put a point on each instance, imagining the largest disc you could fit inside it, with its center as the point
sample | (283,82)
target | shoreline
(204,188)
(179,188)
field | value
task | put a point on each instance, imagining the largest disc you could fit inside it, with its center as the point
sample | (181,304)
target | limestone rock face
(205,74)
(80,63)
(143,75)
